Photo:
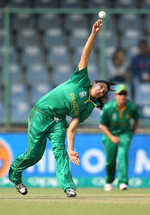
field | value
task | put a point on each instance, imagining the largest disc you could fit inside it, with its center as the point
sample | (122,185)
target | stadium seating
(142,93)
(2,111)
(111,38)
(76,20)
(129,21)
(18,4)
(32,55)
(20,111)
(131,38)
(53,37)
(71,4)
(94,72)
(62,73)
(22,21)
(2,36)
(38,90)
(14,56)
(77,37)
(126,4)
(16,75)
(130,27)
(94,117)
(27,37)
(48,21)
(36,73)
(58,54)
(99,3)
(147,23)
(77,54)
(145,4)
(142,99)
(110,25)
(19,102)
(46,4)
(18,92)
(144,111)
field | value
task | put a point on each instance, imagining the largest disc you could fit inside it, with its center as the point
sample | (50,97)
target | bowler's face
(99,90)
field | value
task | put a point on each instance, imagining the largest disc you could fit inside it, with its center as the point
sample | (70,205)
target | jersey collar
(121,110)
(92,100)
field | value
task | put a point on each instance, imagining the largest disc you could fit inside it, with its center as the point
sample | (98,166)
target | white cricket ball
(102,14)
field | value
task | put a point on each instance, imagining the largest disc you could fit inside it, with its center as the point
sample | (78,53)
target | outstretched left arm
(135,125)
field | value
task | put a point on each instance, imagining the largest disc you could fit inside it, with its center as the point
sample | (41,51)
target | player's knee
(110,164)
(59,151)
(34,157)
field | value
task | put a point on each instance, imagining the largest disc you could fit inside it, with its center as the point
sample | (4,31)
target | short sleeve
(80,76)
(104,117)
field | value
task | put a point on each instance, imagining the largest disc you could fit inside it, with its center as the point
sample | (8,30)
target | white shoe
(123,187)
(108,187)
(21,188)
(71,192)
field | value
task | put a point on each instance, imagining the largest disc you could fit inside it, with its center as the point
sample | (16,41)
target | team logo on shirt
(56,119)
(127,116)
(75,104)
(82,94)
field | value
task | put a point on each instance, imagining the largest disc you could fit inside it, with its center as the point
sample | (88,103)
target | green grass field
(52,201)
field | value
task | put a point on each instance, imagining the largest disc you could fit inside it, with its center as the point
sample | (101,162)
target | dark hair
(108,83)
(142,42)
(119,49)
(102,100)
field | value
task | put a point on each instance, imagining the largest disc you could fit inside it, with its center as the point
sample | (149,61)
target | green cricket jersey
(70,98)
(118,121)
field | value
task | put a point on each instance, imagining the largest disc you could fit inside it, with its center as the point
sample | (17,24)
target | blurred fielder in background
(76,98)
(118,133)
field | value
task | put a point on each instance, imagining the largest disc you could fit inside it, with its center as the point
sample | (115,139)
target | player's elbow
(83,62)
(73,125)
(102,127)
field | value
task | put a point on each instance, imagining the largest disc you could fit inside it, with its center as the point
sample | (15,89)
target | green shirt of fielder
(118,121)
(76,98)
(115,122)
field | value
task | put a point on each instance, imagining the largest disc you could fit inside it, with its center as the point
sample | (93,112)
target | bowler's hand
(74,157)
(97,26)
(115,139)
